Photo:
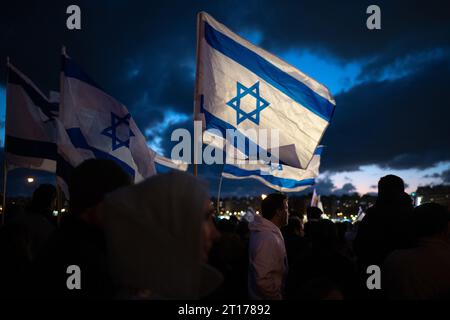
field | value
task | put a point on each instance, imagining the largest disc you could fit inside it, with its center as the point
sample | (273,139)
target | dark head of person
(275,208)
(44,200)
(90,182)
(431,220)
(294,227)
(391,188)
(313,213)
(324,235)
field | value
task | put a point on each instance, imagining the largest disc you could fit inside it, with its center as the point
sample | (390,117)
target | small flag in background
(30,133)
(314,199)
(281,177)
(241,86)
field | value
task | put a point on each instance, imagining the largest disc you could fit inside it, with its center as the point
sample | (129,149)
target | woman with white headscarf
(159,233)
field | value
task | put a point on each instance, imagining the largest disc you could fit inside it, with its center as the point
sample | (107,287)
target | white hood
(153,234)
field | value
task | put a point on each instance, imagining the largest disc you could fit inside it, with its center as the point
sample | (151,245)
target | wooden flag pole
(196,88)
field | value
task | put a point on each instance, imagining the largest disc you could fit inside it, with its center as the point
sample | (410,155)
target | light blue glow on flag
(281,177)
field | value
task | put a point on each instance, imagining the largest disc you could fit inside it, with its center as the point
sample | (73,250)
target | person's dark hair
(341,228)
(92,180)
(42,198)
(294,225)
(313,213)
(430,219)
(390,187)
(271,204)
(324,234)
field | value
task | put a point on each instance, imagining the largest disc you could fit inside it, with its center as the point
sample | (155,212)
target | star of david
(235,103)
(111,131)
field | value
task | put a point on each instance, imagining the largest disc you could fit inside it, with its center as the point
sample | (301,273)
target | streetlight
(30,179)
(263,196)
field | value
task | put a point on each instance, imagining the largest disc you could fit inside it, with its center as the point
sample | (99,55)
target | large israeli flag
(30,136)
(95,125)
(241,86)
(282,178)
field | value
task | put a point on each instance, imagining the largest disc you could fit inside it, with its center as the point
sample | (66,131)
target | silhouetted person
(80,240)
(230,256)
(38,218)
(385,227)
(313,214)
(268,264)
(15,257)
(22,238)
(343,243)
(422,272)
(294,239)
(325,267)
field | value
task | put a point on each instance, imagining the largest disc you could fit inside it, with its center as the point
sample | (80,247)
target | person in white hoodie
(267,253)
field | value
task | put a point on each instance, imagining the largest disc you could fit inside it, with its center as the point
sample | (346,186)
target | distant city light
(30,179)
(418,201)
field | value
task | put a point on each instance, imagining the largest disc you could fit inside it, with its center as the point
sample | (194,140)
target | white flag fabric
(320,205)
(314,199)
(30,137)
(281,177)
(95,125)
(361,214)
(169,163)
(241,86)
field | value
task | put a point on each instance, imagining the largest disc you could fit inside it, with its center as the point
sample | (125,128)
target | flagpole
(196,93)
(5,164)
(59,193)
(218,194)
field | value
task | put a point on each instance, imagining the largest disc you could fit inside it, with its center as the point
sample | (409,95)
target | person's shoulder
(400,256)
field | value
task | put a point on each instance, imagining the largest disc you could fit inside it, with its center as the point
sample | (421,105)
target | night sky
(391,86)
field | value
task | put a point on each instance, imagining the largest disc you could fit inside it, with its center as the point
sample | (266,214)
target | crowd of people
(160,239)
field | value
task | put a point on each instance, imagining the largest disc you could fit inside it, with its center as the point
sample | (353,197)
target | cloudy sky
(391,86)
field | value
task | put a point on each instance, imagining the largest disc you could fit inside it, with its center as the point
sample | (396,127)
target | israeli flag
(280,177)
(241,86)
(30,132)
(95,125)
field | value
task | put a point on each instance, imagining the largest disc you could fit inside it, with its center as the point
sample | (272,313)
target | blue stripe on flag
(319,150)
(281,182)
(50,109)
(78,140)
(162,169)
(73,70)
(212,122)
(30,148)
(279,79)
